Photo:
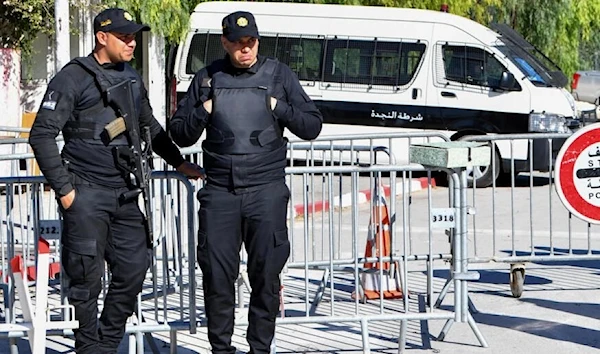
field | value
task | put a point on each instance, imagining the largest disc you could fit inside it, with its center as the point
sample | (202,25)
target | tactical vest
(89,123)
(242,121)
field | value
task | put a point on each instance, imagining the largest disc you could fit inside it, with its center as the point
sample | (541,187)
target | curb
(364,196)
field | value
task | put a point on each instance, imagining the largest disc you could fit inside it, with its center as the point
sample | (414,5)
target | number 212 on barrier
(442,218)
(50,229)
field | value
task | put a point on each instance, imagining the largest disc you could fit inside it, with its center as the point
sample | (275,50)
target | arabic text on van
(396,115)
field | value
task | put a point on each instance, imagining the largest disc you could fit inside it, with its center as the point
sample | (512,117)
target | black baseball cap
(117,20)
(239,24)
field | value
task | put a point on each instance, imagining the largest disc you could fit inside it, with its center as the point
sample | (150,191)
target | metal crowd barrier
(30,206)
(327,263)
(521,219)
(336,259)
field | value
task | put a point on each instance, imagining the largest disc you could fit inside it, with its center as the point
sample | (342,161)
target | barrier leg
(37,319)
(14,348)
(8,302)
(364,324)
(402,336)
(320,292)
(445,330)
(24,296)
(41,296)
(35,316)
(132,344)
(243,280)
(472,308)
(273,349)
(477,332)
(139,343)
(173,340)
(147,335)
(443,293)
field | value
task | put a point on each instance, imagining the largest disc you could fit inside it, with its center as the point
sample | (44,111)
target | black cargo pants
(257,218)
(97,227)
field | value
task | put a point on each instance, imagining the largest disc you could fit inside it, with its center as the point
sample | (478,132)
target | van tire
(484,177)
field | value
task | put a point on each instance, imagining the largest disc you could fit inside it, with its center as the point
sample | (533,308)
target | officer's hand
(208,106)
(191,170)
(67,200)
(273,103)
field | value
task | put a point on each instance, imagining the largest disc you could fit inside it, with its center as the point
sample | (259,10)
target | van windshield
(531,73)
(538,68)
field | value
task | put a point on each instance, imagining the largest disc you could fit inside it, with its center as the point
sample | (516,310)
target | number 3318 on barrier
(442,218)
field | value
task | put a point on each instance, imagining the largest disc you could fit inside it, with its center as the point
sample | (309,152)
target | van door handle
(448,94)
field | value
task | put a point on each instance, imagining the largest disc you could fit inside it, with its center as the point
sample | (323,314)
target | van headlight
(547,123)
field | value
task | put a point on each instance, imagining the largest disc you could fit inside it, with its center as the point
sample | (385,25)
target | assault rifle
(137,159)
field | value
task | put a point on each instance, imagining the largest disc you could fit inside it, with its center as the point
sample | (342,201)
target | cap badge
(242,22)
(105,23)
(127,16)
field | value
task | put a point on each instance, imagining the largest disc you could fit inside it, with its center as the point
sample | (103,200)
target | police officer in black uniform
(89,180)
(244,102)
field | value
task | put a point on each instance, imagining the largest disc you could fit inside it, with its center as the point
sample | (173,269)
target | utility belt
(95,133)
(77,180)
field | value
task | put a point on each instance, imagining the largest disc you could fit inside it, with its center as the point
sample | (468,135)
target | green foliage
(22,20)
(168,18)
(559,28)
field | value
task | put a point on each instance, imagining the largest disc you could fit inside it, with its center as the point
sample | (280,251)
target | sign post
(577,173)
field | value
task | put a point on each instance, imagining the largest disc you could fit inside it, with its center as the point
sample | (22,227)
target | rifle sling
(90,65)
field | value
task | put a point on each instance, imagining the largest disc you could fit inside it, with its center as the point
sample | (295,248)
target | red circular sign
(577,173)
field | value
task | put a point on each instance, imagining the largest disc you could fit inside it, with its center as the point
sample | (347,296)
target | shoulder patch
(50,100)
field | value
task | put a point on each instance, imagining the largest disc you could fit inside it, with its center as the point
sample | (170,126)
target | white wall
(40,69)
(10,89)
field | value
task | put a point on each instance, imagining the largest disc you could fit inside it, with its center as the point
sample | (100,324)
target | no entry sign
(577,173)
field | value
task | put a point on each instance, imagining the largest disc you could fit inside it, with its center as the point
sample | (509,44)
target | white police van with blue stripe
(375,69)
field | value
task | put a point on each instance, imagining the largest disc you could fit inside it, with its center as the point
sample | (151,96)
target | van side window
(372,62)
(204,49)
(471,65)
(355,62)
(302,54)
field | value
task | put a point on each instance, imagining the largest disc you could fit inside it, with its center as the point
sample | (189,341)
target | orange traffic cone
(379,245)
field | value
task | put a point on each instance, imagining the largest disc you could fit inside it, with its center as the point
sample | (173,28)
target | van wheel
(484,176)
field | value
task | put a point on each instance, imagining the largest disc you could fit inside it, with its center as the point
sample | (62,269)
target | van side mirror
(507,82)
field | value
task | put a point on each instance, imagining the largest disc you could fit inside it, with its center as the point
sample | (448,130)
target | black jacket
(73,88)
(294,111)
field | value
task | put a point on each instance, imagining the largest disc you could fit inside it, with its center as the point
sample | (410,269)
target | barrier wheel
(517,280)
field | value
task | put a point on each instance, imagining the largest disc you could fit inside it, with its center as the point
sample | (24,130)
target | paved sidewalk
(557,314)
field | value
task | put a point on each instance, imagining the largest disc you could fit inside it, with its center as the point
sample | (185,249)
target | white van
(376,69)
